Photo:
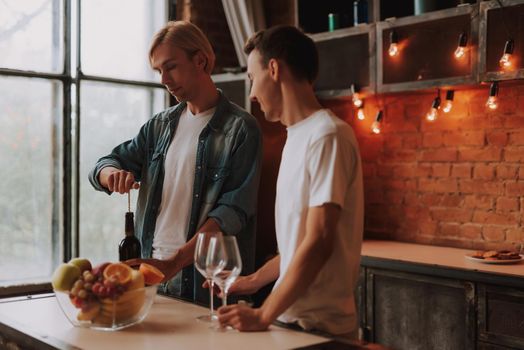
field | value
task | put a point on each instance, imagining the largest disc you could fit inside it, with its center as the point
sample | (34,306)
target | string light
(493,93)
(505,60)
(375,127)
(360,114)
(432,114)
(357,100)
(393,44)
(449,101)
(461,48)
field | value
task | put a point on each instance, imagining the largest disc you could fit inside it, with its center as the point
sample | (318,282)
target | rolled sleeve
(228,219)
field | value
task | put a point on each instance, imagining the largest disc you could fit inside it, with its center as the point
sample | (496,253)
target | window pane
(31,35)
(115,37)
(110,114)
(28,177)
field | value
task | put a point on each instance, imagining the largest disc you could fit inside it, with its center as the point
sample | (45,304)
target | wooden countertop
(171,324)
(436,256)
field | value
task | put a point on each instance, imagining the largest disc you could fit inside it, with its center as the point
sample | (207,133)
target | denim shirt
(227,174)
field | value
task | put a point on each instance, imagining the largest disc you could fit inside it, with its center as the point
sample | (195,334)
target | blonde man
(196,164)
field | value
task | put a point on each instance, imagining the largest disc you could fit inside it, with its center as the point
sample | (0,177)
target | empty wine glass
(231,268)
(209,260)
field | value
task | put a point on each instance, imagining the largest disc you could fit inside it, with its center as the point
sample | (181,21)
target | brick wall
(458,181)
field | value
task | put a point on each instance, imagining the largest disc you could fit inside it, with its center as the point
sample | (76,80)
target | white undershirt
(175,209)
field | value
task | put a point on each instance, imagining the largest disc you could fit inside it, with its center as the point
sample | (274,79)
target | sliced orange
(119,272)
(152,275)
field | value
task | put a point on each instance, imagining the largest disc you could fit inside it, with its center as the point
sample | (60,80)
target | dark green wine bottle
(129,247)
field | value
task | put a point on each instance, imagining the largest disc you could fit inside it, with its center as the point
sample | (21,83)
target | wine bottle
(129,247)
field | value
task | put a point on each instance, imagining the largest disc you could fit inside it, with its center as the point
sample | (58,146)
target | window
(65,103)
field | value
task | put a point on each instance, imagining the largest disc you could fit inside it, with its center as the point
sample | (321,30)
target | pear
(65,276)
(82,263)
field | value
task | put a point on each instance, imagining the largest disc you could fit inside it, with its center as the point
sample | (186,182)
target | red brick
(507,105)
(424,170)
(385,170)
(431,199)
(515,235)
(461,170)
(414,110)
(514,154)
(497,138)
(441,170)
(449,229)
(374,197)
(439,155)
(514,188)
(451,214)
(486,217)
(393,141)
(428,227)
(394,197)
(506,204)
(465,138)
(521,173)
(400,155)
(405,170)
(411,184)
(484,172)
(477,155)
(514,123)
(471,231)
(412,141)
(411,199)
(369,169)
(432,139)
(478,202)
(506,171)
(452,200)
(393,184)
(437,185)
(494,233)
(516,138)
(481,187)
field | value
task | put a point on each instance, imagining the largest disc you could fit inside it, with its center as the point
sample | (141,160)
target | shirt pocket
(215,178)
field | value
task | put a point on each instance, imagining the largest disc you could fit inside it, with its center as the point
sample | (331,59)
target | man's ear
(274,69)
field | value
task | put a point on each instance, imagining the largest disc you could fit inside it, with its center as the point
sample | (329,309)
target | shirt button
(216,175)
(196,195)
(199,167)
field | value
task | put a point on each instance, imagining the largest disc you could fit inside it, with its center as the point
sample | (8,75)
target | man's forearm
(268,273)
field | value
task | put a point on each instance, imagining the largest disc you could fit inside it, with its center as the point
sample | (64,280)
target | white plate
(495,262)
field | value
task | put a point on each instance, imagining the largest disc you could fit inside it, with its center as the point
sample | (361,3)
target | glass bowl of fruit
(110,296)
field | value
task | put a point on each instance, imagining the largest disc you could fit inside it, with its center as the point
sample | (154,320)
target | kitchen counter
(39,323)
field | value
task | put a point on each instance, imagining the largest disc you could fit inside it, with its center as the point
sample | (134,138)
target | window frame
(65,217)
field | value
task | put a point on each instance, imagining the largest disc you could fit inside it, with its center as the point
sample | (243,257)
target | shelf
(235,86)
(346,56)
(427,43)
(496,26)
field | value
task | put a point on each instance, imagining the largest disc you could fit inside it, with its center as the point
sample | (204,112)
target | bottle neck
(130,224)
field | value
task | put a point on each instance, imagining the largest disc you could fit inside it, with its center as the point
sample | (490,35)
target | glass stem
(211,286)
(224,298)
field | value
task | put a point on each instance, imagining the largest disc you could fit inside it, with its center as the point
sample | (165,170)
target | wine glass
(209,260)
(231,268)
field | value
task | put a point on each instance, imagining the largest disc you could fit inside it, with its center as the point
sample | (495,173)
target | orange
(118,271)
(152,275)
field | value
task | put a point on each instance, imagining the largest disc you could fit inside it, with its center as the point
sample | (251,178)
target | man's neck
(206,98)
(298,103)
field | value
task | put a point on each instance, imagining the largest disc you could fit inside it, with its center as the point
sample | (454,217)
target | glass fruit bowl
(110,313)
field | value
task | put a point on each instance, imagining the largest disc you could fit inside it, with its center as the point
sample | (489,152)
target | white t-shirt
(175,209)
(321,164)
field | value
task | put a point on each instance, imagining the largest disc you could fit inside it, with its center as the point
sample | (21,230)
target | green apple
(82,263)
(65,276)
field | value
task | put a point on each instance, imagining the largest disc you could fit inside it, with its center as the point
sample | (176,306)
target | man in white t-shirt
(319,203)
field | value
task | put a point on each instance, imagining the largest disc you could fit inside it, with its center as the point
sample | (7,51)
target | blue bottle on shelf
(360,12)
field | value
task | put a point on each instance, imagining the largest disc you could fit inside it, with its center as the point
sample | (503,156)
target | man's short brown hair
(289,44)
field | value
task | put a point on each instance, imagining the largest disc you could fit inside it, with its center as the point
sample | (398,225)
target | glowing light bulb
(448,105)
(492,102)
(393,44)
(357,101)
(360,114)
(433,112)
(376,126)
(505,60)
(461,48)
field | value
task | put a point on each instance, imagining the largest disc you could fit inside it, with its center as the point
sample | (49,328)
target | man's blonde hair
(187,37)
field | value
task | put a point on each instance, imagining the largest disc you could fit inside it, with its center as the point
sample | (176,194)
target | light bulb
(393,44)
(360,114)
(432,114)
(450,94)
(492,102)
(505,60)
(357,101)
(461,48)
(447,106)
(375,127)
(460,52)
(493,93)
